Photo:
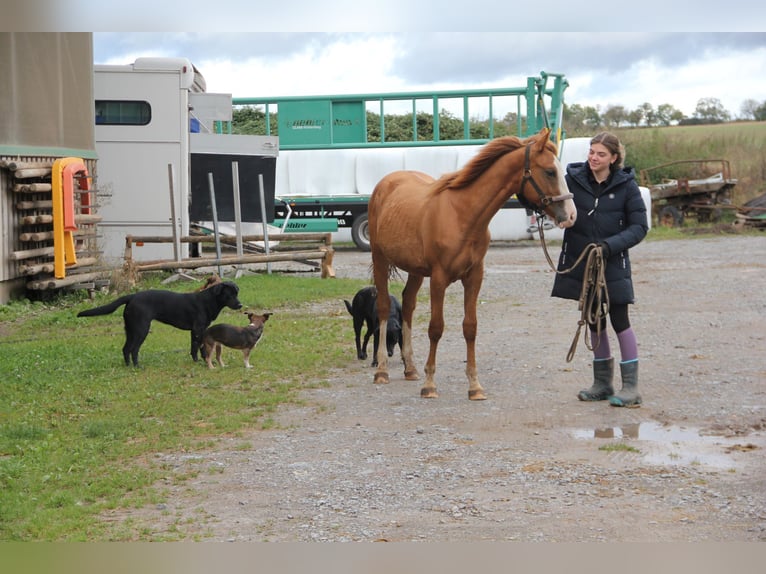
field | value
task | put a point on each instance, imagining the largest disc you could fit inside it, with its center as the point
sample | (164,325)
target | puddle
(674,445)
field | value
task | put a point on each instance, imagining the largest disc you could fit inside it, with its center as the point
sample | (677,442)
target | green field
(742,143)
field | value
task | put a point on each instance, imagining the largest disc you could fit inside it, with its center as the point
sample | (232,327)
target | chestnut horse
(440,229)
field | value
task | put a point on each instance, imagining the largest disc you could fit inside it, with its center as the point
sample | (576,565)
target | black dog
(188,311)
(364,309)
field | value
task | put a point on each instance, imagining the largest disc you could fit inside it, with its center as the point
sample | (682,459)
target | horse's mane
(483,160)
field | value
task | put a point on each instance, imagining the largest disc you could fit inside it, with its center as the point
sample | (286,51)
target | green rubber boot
(602,389)
(628,395)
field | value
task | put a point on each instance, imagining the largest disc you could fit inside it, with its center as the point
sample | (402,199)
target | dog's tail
(348,306)
(105,309)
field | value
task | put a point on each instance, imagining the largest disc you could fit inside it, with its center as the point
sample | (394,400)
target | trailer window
(123,113)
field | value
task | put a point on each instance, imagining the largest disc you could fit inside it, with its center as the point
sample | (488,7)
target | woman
(610,213)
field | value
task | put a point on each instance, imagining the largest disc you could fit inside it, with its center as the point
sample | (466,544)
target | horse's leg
(471,286)
(435,331)
(409,301)
(380,277)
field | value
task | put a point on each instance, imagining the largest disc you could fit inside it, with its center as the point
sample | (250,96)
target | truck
(329,164)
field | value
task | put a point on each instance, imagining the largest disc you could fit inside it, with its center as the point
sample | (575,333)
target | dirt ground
(364,462)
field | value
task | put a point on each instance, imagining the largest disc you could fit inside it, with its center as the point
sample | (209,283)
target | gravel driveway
(364,462)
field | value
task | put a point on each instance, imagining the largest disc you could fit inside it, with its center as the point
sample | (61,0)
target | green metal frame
(316,115)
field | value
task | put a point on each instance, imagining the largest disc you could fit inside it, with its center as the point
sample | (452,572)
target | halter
(545,200)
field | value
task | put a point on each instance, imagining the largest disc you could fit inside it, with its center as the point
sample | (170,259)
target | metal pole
(237,208)
(215,221)
(176,242)
(263,220)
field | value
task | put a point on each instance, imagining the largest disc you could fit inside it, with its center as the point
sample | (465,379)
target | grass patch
(618,447)
(694,230)
(79,429)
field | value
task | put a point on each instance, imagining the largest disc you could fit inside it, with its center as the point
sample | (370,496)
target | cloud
(375,16)
(603,69)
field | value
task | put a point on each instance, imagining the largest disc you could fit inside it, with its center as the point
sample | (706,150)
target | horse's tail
(106,309)
(394,273)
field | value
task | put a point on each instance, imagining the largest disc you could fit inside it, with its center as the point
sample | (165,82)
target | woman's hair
(610,142)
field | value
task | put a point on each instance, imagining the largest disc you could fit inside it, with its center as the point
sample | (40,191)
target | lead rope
(594,298)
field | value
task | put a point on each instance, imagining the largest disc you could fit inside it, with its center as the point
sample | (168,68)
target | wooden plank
(31,172)
(15,165)
(29,253)
(325,238)
(45,219)
(46,204)
(32,187)
(38,236)
(51,283)
(87,218)
(48,235)
(36,219)
(35,269)
(49,267)
(205,261)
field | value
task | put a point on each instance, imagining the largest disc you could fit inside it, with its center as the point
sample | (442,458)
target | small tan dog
(213,279)
(244,338)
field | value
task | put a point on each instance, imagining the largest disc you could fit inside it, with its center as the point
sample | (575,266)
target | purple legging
(626,337)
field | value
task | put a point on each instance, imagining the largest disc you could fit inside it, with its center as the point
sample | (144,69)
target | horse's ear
(545,133)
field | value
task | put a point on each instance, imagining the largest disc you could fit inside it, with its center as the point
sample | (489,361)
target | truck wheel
(360,232)
(669,216)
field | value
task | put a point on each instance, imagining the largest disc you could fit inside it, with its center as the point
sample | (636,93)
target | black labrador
(364,310)
(188,311)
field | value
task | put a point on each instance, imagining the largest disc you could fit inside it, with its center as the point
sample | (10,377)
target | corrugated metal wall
(46,92)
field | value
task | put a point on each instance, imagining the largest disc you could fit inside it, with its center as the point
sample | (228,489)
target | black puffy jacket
(616,217)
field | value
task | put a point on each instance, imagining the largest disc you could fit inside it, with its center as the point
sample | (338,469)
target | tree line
(585,119)
(576,119)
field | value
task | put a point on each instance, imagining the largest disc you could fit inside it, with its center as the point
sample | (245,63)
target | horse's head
(547,190)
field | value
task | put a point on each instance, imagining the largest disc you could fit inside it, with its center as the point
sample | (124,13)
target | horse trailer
(157,147)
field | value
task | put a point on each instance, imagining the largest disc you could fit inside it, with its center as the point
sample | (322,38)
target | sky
(612,53)
(603,69)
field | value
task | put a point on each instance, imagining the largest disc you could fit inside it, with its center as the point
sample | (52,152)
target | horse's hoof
(411,375)
(428,393)
(477,395)
(381,378)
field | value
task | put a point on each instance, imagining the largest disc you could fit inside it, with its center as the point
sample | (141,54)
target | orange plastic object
(62,183)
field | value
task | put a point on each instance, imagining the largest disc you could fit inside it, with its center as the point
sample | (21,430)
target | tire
(669,216)
(360,232)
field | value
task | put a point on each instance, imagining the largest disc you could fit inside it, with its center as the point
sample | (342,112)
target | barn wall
(46,112)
